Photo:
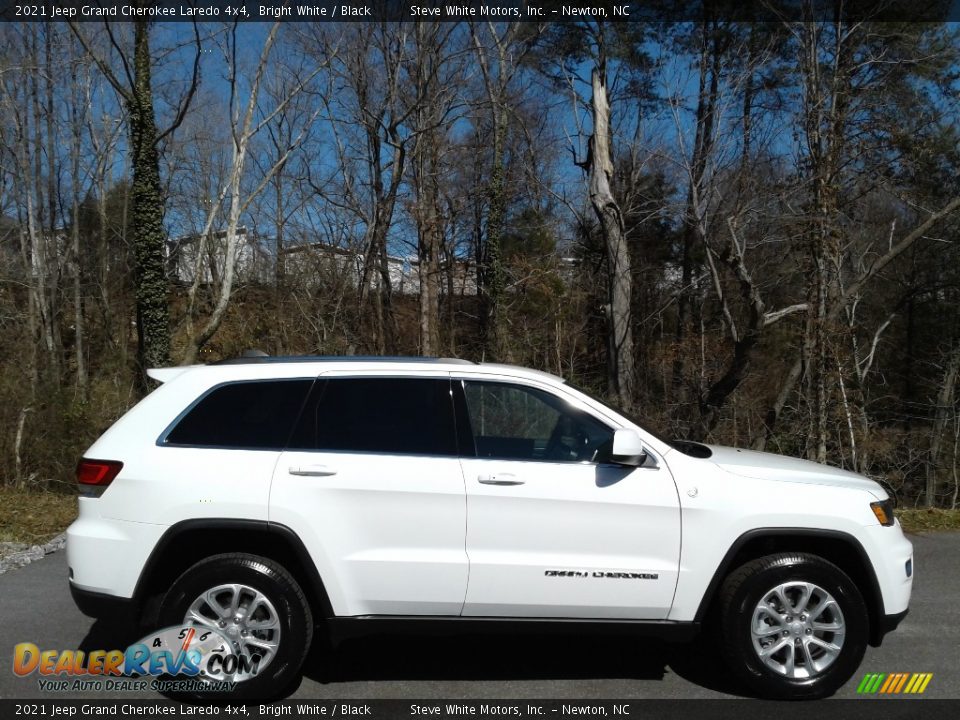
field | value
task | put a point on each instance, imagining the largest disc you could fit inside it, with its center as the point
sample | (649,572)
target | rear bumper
(100,605)
(106,555)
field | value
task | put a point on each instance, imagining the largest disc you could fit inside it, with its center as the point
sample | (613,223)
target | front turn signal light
(883,509)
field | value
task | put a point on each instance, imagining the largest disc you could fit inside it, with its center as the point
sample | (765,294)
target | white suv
(262,496)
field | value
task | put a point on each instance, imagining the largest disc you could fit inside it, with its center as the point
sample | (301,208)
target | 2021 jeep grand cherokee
(261,496)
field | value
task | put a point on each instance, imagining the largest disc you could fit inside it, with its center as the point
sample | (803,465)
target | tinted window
(243,415)
(389,415)
(524,423)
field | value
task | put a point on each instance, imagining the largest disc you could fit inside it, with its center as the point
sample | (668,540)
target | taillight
(93,476)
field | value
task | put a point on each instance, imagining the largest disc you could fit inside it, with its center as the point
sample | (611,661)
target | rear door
(372,483)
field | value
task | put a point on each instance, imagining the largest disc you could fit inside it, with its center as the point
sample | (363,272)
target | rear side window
(245,415)
(406,416)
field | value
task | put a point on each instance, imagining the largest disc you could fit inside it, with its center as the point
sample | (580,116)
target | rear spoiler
(167,374)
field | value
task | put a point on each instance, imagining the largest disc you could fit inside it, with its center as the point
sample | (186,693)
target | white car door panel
(392,528)
(559,534)
(363,474)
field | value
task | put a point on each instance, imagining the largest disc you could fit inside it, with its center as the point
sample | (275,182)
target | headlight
(883,509)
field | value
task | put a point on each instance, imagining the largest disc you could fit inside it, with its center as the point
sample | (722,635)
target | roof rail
(248,358)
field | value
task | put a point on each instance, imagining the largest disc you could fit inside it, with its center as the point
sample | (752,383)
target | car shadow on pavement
(109,634)
(494,656)
(506,657)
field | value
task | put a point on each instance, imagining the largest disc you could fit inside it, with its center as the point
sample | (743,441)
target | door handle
(312,471)
(499,479)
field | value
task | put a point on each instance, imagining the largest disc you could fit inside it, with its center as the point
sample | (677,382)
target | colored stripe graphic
(894,683)
(861,688)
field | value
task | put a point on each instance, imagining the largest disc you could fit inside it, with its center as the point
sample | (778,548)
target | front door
(553,530)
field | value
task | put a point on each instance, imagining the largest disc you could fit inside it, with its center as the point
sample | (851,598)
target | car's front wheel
(793,625)
(258,609)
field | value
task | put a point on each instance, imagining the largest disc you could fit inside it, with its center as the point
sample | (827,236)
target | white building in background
(313,262)
(320,259)
(254,263)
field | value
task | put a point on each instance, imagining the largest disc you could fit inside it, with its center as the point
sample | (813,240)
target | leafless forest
(744,233)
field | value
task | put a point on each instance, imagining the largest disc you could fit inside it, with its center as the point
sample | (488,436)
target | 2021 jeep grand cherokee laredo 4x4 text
(261,496)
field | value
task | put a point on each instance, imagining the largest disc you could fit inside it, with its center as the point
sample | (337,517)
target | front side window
(243,415)
(405,416)
(516,422)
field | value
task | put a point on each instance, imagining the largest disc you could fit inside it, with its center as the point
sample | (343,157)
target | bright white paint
(411,535)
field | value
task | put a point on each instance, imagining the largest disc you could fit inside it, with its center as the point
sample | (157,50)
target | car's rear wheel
(259,610)
(793,625)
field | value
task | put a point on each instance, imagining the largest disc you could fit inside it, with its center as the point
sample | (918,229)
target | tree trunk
(153,331)
(945,400)
(78,339)
(41,234)
(376,258)
(278,278)
(492,334)
(78,319)
(619,331)
(430,240)
(50,236)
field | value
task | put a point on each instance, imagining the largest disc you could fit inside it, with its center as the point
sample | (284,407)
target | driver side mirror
(628,448)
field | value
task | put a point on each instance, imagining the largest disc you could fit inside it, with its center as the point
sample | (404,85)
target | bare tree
(500,55)
(247,120)
(944,408)
(147,201)
(600,171)
(371,65)
(434,81)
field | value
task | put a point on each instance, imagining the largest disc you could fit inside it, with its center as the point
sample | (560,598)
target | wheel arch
(839,548)
(187,542)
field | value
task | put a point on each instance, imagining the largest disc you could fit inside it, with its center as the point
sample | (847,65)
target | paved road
(37,608)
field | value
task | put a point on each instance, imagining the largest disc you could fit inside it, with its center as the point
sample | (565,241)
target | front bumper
(891,554)
(887,624)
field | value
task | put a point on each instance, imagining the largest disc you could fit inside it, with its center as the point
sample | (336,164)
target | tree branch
(194,83)
(104,68)
(776,315)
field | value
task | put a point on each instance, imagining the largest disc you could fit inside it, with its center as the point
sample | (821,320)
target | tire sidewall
(851,603)
(294,626)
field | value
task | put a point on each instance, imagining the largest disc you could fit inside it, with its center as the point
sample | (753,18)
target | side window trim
(461,416)
(162,439)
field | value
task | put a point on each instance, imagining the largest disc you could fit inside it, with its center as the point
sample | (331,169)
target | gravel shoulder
(15,555)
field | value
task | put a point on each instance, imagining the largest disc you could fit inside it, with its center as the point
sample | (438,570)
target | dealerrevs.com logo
(178,658)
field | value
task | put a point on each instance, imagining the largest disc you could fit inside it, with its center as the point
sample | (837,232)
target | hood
(768,466)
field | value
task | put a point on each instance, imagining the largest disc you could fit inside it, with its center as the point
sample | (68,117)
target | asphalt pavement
(37,608)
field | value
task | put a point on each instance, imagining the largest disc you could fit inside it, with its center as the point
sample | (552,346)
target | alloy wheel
(797,629)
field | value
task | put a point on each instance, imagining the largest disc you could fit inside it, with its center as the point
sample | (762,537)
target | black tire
(280,588)
(744,589)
